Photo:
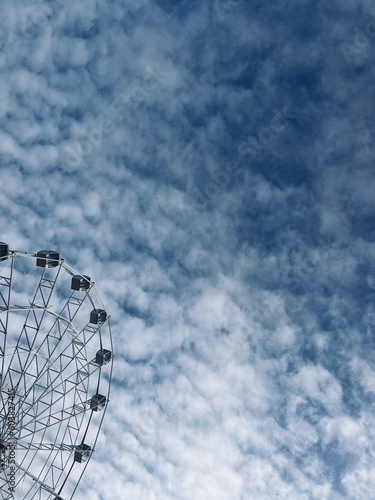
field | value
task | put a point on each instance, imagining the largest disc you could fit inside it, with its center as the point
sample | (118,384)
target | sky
(211,165)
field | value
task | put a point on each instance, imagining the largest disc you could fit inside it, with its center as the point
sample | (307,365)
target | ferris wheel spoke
(42,485)
(46,447)
(49,418)
(51,478)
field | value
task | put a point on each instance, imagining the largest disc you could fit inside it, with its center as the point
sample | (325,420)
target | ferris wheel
(55,374)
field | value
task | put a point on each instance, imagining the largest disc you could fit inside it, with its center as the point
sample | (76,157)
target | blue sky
(210,164)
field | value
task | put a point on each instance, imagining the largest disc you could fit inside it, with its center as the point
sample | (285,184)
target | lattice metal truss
(56,367)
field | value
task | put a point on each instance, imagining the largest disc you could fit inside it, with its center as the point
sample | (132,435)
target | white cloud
(242,319)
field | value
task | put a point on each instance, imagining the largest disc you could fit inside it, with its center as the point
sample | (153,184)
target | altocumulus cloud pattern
(212,164)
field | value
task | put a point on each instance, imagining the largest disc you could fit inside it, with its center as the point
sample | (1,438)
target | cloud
(153,145)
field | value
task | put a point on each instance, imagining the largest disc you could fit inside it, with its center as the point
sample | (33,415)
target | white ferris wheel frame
(53,391)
